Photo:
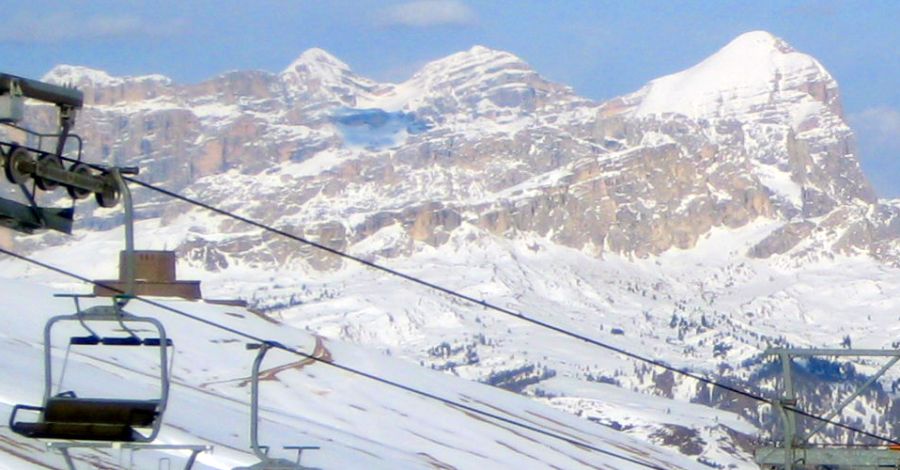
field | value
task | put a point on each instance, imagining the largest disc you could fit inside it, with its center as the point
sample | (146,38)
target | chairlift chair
(262,452)
(67,416)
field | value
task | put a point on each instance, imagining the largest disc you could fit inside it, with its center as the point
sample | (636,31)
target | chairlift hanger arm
(42,91)
(262,451)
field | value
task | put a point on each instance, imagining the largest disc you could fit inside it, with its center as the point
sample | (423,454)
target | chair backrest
(116,341)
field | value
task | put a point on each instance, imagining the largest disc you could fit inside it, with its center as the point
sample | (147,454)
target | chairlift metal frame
(64,447)
(45,169)
(66,416)
(262,451)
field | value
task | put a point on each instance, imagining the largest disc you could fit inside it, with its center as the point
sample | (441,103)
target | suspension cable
(345,368)
(523,316)
(487,305)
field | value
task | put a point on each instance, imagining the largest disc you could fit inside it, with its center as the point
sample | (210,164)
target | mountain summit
(754,70)
(87,77)
(320,78)
(787,113)
(316,62)
(477,82)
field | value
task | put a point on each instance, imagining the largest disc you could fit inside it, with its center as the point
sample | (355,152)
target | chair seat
(89,419)
(136,413)
(76,431)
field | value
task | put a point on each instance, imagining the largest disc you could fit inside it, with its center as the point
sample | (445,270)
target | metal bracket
(12,104)
(63,448)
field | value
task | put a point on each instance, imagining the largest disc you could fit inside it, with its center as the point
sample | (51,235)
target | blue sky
(600,48)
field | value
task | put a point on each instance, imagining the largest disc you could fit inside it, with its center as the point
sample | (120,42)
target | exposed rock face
(754,131)
(782,240)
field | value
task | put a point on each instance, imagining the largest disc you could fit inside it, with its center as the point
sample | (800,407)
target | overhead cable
(490,306)
(345,368)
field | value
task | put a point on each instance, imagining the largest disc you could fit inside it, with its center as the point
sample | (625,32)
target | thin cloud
(59,27)
(877,129)
(428,13)
(880,123)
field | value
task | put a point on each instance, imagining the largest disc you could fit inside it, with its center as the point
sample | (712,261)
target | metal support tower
(795,450)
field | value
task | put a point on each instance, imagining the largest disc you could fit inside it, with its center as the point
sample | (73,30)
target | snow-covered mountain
(711,213)
(778,95)
(755,130)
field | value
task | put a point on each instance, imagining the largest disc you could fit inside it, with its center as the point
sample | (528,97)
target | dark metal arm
(12,416)
(46,92)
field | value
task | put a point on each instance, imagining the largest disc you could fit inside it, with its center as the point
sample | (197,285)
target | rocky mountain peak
(476,55)
(480,138)
(101,88)
(318,62)
(319,77)
(479,81)
(753,71)
(477,61)
(80,76)
(781,105)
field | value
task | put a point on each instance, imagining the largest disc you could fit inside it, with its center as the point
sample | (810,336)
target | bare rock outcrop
(754,131)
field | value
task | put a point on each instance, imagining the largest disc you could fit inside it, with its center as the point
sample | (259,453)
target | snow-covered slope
(711,310)
(356,422)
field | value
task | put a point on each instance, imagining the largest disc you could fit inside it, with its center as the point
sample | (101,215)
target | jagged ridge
(753,131)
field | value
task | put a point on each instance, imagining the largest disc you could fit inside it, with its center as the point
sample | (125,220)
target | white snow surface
(744,303)
(744,74)
(86,76)
(357,422)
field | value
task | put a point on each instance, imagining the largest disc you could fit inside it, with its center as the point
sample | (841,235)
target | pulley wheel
(14,174)
(48,161)
(109,197)
(78,193)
